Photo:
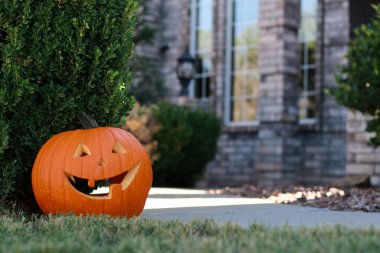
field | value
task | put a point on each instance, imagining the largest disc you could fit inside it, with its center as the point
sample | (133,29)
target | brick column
(336,35)
(277,155)
(174,33)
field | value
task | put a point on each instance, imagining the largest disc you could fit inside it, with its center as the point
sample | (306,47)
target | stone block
(365,158)
(375,180)
(359,169)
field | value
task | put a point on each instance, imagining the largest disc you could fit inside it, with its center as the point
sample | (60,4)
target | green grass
(21,233)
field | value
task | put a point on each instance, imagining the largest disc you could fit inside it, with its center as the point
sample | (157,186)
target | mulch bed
(352,199)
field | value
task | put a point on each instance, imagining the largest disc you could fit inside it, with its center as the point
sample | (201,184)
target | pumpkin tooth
(128,178)
(72,178)
(91,183)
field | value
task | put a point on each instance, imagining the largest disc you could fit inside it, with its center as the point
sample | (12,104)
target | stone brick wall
(152,18)
(234,163)
(174,35)
(361,158)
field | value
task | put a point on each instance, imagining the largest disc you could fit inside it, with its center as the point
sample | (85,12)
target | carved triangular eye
(118,148)
(82,150)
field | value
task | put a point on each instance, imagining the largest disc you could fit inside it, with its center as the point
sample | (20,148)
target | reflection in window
(244,77)
(201,46)
(307,36)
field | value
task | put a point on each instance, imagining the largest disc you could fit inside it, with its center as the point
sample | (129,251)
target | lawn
(23,233)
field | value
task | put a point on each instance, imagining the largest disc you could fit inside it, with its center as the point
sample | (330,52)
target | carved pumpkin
(106,155)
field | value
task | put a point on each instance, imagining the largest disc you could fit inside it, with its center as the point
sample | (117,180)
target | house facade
(263,67)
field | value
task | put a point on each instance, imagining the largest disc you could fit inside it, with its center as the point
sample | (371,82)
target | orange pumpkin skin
(58,160)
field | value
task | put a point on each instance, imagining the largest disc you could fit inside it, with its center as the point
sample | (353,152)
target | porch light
(185,71)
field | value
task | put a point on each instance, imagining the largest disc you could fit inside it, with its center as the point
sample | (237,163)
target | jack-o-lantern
(97,156)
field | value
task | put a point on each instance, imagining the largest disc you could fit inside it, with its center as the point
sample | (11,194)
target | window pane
(206,92)
(243,10)
(311,107)
(203,63)
(252,88)
(302,53)
(307,33)
(301,81)
(204,15)
(198,64)
(204,40)
(311,79)
(238,87)
(236,110)
(250,108)
(308,29)
(198,87)
(246,34)
(202,86)
(309,7)
(307,36)
(244,80)
(252,59)
(311,50)
(307,107)
(239,60)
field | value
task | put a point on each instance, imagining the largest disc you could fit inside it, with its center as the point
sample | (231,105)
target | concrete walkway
(179,204)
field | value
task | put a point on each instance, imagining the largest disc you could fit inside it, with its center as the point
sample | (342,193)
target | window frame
(305,64)
(193,51)
(228,121)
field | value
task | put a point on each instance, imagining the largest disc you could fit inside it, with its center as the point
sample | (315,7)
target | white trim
(245,73)
(244,47)
(308,121)
(243,123)
(227,105)
(243,97)
(193,39)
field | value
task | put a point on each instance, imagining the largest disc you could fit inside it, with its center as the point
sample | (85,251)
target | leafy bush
(59,58)
(359,80)
(186,142)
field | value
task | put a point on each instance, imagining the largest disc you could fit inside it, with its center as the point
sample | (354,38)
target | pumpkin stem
(86,120)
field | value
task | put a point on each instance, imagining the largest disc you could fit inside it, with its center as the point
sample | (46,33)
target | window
(307,37)
(201,47)
(242,77)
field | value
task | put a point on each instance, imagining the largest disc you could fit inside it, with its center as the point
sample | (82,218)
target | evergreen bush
(359,80)
(59,58)
(186,142)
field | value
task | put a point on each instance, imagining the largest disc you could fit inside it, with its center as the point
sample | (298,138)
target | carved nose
(102,163)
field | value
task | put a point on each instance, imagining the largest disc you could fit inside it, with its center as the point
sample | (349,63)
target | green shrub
(186,142)
(59,58)
(359,80)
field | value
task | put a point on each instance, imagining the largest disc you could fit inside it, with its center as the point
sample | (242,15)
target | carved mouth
(89,187)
